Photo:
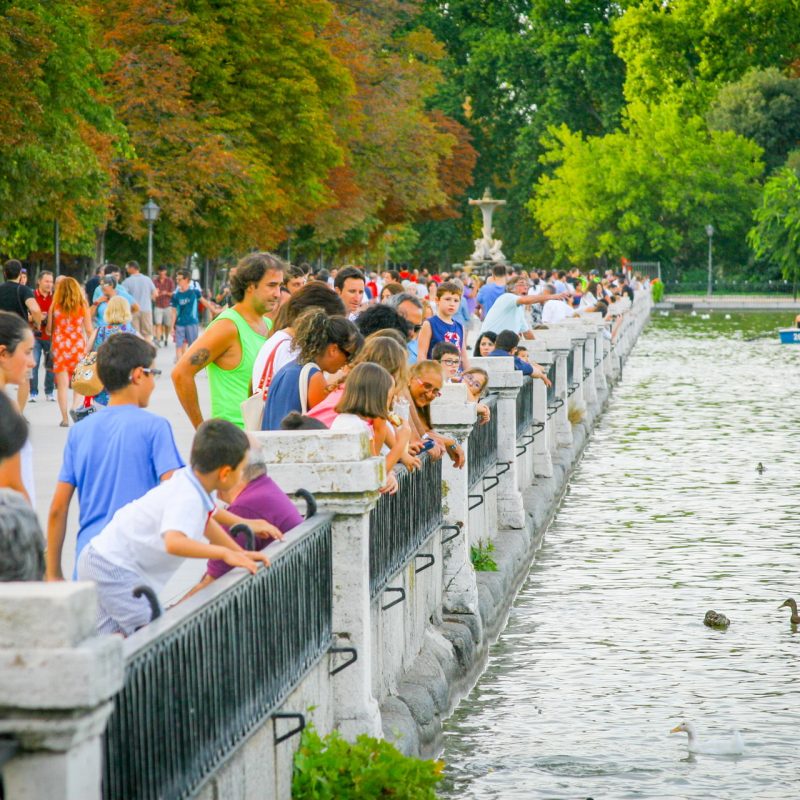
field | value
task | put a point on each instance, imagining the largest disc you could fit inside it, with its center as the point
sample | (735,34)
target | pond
(666,517)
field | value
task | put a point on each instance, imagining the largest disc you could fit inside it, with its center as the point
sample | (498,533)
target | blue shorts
(186,334)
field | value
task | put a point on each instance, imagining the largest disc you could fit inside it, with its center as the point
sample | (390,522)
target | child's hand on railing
(247,559)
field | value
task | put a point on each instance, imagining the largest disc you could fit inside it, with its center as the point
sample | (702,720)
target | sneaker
(51,398)
(33,398)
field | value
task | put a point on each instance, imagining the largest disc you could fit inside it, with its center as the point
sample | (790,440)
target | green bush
(481,557)
(657,289)
(331,768)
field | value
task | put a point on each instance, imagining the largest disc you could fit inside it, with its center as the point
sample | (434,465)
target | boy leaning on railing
(145,540)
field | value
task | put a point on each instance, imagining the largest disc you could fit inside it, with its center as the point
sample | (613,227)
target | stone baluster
(340,471)
(544,439)
(589,384)
(454,415)
(559,343)
(505,382)
(57,679)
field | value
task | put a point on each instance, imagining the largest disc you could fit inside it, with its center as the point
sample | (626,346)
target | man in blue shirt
(115,455)
(185,301)
(490,291)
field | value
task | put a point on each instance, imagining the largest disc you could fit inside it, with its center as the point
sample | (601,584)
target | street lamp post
(150,212)
(290,229)
(710,234)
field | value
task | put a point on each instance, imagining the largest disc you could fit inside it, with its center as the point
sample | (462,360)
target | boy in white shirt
(146,540)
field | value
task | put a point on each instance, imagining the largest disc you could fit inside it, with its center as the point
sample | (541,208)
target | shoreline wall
(371,618)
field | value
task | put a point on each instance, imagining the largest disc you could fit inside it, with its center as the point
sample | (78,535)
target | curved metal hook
(311,501)
(155,606)
(249,536)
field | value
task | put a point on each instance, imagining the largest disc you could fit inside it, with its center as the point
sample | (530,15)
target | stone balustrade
(410,618)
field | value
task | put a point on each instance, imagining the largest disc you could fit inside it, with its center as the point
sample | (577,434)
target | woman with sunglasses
(425,385)
(324,344)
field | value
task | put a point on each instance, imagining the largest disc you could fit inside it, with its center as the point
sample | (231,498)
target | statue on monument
(487,248)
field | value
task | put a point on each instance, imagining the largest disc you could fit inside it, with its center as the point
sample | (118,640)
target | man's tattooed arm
(200,357)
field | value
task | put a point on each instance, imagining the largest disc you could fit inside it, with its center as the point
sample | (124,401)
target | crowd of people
(285,348)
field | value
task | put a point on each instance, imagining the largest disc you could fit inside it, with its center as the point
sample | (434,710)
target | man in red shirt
(162,309)
(44,297)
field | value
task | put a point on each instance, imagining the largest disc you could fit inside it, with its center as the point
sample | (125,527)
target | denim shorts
(186,334)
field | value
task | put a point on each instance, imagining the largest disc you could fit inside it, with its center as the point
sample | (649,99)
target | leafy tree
(57,131)
(512,69)
(399,160)
(648,190)
(687,49)
(776,234)
(763,106)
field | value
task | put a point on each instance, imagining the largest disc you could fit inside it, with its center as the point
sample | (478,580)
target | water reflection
(667,517)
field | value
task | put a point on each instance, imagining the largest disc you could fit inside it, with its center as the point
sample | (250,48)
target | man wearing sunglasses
(116,455)
(409,307)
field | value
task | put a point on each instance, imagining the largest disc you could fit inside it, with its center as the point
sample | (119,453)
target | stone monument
(487,249)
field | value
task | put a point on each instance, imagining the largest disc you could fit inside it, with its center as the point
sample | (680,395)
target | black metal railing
(525,406)
(199,680)
(482,445)
(400,523)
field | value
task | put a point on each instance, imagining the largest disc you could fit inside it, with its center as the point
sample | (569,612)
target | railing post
(542,461)
(559,343)
(505,382)
(57,679)
(452,414)
(339,470)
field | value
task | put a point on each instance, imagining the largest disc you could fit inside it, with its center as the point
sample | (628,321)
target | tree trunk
(99,246)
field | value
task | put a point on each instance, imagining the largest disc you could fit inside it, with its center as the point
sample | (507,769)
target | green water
(666,517)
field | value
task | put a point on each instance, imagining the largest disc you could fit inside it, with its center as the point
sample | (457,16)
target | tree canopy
(359,128)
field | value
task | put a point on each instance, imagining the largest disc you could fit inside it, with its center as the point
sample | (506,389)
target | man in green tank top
(230,344)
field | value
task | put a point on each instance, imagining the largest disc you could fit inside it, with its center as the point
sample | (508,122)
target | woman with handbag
(69,325)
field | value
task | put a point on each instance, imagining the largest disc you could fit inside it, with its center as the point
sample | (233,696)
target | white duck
(731,745)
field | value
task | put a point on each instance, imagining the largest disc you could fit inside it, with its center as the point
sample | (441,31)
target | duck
(760,468)
(705,316)
(716,620)
(731,745)
(795,617)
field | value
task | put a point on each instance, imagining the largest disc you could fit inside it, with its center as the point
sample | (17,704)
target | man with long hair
(231,343)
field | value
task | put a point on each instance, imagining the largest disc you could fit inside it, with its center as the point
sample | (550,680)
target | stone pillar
(578,337)
(339,470)
(453,415)
(559,343)
(589,385)
(57,679)
(542,462)
(505,382)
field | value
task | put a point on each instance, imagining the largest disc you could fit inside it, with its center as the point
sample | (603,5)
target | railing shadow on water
(207,674)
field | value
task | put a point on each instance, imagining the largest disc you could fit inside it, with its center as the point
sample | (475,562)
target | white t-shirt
(134,537)
(285,355)
(556,311)
(588,301)
(351,423)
